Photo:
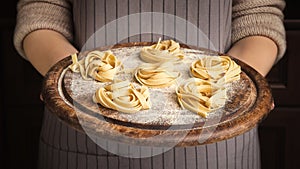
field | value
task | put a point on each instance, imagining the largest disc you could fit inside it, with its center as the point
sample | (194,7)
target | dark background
(21,110)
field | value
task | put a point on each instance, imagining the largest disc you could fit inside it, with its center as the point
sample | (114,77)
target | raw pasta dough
(200,96)
(162,51)
(123,97)
(207,90)
(220,69)
(101,66)
(156,75)
(202,93)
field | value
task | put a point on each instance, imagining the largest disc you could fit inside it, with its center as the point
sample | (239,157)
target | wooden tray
(249,103)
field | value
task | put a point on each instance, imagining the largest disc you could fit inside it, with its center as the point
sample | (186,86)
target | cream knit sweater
(249,17)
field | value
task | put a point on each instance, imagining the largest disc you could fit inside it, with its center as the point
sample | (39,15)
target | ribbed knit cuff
(41,15)
(261,25)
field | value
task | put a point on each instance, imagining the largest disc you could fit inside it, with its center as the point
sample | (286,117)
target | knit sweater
(249,17)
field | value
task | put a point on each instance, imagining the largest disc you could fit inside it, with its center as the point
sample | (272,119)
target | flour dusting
(165,109)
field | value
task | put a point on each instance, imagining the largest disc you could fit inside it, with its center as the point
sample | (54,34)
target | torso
(203,23)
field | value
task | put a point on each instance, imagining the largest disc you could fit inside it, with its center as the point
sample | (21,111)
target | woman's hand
(44,48)
(257,51)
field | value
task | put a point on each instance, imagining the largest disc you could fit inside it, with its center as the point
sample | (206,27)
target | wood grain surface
(248,106)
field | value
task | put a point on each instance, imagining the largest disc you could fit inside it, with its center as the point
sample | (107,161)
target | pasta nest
(156,75)
(162,51)
(101,66)
(219,69)
(200,96)
(123,97)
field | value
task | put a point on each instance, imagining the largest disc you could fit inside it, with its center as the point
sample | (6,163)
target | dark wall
(21,110)
(20,107)
(278,133)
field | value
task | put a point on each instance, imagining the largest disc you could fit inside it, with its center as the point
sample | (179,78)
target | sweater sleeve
(259,17)
(42,14)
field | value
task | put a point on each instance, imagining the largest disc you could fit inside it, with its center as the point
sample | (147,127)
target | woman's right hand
(44,48)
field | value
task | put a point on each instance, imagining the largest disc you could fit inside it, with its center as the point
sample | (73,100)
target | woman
(50,30)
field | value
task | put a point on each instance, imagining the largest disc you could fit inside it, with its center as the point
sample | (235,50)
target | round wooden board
(250,101)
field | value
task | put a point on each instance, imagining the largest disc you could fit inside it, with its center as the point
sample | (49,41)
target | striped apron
(203,23)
